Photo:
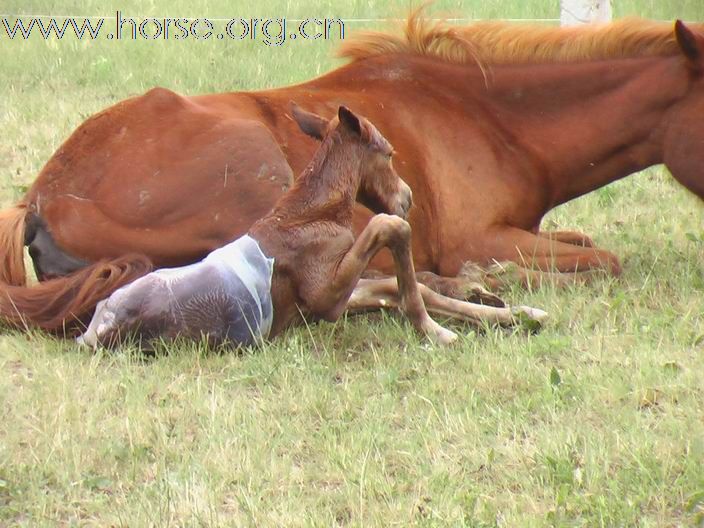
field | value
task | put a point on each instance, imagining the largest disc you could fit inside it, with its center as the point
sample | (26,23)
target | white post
(575,12)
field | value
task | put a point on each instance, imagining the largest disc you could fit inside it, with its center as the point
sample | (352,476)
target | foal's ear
(350,120)
(692,45)
(310,123)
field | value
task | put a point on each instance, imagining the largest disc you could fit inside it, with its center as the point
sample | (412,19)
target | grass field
(596,421)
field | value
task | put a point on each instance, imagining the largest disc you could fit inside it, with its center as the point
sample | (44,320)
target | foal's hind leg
(461,287)
(330,299)
(373,294)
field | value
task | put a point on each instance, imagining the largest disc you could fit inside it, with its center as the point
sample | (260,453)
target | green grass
(596,421)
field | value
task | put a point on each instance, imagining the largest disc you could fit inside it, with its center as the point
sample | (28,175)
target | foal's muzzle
(405,200)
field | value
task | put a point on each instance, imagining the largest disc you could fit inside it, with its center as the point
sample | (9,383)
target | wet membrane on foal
(226,297)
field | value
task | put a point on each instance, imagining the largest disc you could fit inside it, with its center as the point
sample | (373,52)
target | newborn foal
(301,259)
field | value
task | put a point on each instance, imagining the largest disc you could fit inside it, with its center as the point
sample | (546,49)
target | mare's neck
(327,188)
(591,123)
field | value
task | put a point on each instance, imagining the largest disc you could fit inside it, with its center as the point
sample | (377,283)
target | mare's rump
(160,175)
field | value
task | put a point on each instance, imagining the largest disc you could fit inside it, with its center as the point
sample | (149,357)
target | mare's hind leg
(373,294)
(328,299)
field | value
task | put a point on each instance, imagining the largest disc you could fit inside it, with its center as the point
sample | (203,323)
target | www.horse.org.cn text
(269,31)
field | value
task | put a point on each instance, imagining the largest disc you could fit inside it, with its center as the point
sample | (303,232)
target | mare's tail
(12,270)
(63,305)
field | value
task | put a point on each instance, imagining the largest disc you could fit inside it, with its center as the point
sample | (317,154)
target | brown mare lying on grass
(316,260)
(494,125)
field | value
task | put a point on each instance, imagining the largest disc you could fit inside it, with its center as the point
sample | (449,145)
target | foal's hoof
(531,318)
(444,337)
(439,334)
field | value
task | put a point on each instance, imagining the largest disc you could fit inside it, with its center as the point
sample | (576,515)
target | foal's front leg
(382,231)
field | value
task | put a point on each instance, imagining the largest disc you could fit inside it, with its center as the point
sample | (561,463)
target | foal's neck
(327,188)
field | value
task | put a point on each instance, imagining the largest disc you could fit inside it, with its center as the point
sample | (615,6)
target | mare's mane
(495,42)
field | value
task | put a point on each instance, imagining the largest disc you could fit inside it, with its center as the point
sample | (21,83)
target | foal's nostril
(406,202)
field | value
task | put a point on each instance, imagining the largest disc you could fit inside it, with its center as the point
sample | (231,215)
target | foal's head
(380,187)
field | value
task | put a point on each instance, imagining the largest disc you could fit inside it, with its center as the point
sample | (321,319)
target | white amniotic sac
(225,297)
